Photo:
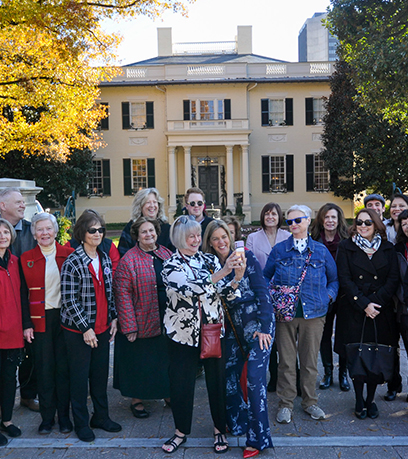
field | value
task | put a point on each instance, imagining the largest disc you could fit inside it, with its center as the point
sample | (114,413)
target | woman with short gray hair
(194,282)
(301,333)
(42,324)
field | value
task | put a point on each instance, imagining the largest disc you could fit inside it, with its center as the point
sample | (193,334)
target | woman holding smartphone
(250,329)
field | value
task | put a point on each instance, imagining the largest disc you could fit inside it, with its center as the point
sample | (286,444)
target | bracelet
(210,279)
(235,281)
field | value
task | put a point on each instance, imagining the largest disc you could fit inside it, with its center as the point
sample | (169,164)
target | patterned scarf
(366,246)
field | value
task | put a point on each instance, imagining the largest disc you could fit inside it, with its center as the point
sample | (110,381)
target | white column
(187,167)
(172,177)
(229,176)
(245,175)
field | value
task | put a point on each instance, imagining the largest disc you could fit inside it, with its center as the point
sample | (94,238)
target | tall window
(315,111)
(317,174)
(137,115)
(139,174)
(104,123)
(277,112)
(216,109)
(277,173)
(100,180)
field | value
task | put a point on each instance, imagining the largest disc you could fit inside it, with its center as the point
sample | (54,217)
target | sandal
(138,413)
(220,442)
(171,442)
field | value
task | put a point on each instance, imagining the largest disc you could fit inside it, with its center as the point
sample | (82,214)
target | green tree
(362,149)
(373,38)
(58,177)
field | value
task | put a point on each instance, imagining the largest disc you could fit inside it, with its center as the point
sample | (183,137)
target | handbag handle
(375,332)
(303,275)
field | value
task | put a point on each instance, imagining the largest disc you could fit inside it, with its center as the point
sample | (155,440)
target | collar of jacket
(158,251)
(311,244)
(85,258)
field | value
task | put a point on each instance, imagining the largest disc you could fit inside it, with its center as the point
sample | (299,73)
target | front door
(208,182)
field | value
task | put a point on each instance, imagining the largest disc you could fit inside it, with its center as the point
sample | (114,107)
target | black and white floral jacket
(188,281)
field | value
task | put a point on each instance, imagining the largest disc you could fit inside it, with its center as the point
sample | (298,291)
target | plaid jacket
(78,309)
(135,287)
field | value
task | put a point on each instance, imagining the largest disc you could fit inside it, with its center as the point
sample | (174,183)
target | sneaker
(284,416)
(315,412)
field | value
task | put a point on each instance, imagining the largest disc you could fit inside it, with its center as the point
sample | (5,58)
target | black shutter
(186,110)
(106,177)
(309,172)
(266,174)
(289,112)
(104,124)
(127,177)
(227,109)
(151,177)
(289,173)
(149,115)
(309,111)
(125,115)
(265,112)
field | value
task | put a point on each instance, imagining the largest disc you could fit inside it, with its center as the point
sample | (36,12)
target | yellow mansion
(213,115)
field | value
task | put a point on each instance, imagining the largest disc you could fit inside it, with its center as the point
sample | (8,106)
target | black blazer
(362,281)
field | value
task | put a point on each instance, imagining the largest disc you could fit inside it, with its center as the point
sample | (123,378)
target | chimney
(164,41)
(244,40)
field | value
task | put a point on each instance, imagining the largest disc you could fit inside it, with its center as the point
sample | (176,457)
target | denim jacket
(320,285)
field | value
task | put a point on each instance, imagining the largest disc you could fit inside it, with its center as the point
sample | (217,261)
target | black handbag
(372,361)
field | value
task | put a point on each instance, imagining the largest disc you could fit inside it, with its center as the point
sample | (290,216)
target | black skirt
(141,368)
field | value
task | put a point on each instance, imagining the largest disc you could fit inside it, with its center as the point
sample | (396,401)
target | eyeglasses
(100,230)
(295,220)
(365,222)
(193,203)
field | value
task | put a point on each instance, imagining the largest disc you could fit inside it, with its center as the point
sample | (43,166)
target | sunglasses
(295,220)
(365,222)
(193,203)
(100,230)
(184,219)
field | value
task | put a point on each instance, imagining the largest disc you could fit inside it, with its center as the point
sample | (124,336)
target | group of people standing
(154,293)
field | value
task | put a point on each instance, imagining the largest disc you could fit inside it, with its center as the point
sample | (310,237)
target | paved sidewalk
(340,435)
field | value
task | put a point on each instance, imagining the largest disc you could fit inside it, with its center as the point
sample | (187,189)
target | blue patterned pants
(249,418)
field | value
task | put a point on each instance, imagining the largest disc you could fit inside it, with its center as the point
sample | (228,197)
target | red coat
(11,326)
(33,265)
(136,295)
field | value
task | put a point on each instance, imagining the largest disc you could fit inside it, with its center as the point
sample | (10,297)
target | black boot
(327,379)
(327,360)
(343,381)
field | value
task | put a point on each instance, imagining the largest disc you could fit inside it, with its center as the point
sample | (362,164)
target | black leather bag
(372,361)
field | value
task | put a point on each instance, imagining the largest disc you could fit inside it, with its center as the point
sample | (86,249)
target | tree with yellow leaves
(48,83)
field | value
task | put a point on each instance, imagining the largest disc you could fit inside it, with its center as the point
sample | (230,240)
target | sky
(275,27)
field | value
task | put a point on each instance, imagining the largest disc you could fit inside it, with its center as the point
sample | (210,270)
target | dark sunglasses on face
(194,203)
(366,222)
(94,230)
(295,220)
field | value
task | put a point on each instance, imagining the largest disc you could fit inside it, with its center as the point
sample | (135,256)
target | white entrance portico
(193,144)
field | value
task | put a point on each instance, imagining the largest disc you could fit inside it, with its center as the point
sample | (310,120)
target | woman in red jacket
(141,359)
(41,321)
(11,329)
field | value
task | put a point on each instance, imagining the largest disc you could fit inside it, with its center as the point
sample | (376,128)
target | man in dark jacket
(12,208)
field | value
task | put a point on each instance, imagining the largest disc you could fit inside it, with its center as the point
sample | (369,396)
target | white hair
(43,216)
(301,208)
